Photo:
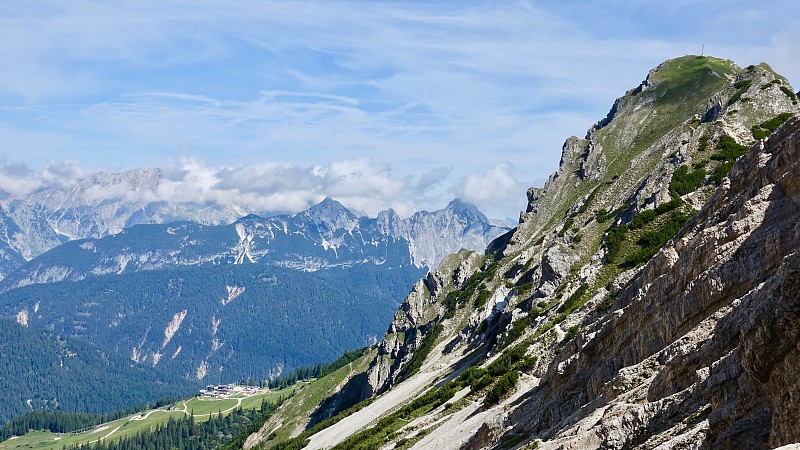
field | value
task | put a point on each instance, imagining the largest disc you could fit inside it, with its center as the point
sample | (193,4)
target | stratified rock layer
(703,343)
(624,325)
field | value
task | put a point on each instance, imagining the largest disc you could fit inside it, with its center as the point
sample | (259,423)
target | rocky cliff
(700,346)
(647,298)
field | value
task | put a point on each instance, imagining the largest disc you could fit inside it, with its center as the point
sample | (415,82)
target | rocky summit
(648,297)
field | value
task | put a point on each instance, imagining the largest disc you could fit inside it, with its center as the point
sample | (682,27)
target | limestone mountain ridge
(106,204)
(324,236)
(646,299)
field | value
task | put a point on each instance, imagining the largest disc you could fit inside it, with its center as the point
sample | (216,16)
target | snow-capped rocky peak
(137,180)
(332,214)
(466,210)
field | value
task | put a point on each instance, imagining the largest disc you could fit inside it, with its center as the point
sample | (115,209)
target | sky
(401,104)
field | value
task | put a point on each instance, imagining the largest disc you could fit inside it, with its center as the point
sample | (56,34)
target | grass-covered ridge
(296,412)
(677,89)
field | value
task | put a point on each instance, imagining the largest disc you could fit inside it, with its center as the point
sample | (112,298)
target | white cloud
(491,189)
(276,186)
(18,179)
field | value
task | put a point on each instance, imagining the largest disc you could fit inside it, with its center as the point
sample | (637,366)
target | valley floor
(203,408)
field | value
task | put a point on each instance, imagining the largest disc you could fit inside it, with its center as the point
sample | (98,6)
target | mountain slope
(706,332)
(219,323)
(615,315)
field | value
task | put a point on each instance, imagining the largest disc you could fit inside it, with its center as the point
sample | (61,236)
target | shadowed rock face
(704,341)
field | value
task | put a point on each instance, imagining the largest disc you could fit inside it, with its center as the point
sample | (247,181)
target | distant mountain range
(105,204)
(96,206)
(186,297)
(326,235)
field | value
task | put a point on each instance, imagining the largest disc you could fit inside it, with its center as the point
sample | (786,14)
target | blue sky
(276,104)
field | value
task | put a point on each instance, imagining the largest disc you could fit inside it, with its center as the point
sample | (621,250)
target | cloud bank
(274,187)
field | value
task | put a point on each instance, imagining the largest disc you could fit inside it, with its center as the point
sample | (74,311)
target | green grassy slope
(146,420)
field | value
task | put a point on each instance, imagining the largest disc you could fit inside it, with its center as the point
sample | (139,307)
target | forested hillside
(41,370)
(220,323)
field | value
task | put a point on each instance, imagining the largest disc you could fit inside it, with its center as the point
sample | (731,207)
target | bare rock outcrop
(702,344)
(414,319)
(695,347)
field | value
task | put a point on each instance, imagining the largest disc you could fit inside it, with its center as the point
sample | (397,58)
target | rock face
(703,340)
(648,297)
(416,318)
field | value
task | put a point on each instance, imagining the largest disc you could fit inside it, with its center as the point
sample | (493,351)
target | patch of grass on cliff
(628,248)
(452,301)
(572,332)
(607,301)
(475,377)
(520,325)
(728,150)
(501,388)
(684,181)
(576,300)
(623,249)
(482,298)
(458,298)
(743,86)
(589,200)
(567,224)
(500,376)
(603,215)
(792,96)
(765,129)
(650,242)
(703,143)
(517,329)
